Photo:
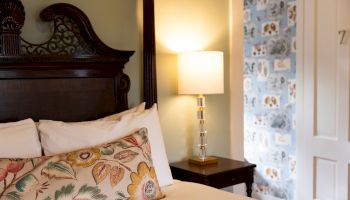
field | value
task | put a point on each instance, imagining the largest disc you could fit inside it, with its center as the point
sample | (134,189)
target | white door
(323,147)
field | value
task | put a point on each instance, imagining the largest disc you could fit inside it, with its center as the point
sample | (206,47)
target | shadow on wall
(177,111)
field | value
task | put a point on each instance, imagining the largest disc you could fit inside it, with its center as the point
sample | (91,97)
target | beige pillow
(119,170)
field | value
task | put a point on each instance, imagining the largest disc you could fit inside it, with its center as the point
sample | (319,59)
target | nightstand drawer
(188,176)
(222,180)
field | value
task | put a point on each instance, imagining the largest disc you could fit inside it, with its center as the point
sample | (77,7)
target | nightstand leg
(249,188)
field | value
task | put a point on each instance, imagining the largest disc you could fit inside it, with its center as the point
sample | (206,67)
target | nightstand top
(223,165)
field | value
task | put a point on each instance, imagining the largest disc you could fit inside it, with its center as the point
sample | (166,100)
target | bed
(70,81)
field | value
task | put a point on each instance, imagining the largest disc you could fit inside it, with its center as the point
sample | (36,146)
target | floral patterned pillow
(119,170)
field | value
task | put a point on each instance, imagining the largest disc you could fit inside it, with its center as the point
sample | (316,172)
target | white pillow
(59,137)
(56,136)
(19,140)
(138,109)
(115,117)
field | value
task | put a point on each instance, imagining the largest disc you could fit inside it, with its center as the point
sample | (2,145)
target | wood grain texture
(149,54)
(56,99)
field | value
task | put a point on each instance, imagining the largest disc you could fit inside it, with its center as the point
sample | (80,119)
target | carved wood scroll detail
(72,35)
(65,40)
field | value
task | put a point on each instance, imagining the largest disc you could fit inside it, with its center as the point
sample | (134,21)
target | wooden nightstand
(225,173)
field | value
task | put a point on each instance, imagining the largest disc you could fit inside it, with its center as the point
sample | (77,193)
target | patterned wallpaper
(270,95)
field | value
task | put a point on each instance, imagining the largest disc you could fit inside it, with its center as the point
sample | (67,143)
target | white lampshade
(201,72)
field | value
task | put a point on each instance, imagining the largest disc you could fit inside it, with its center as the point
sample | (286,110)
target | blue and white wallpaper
(270,95)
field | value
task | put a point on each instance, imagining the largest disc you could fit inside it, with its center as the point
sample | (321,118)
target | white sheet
(181,190)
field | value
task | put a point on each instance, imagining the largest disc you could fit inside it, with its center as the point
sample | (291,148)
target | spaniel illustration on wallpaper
(270,95)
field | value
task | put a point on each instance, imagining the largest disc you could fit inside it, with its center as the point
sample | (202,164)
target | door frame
(300,144)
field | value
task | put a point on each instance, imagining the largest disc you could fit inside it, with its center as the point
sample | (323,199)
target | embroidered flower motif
(3,174)
(84,158)
(132,140)
(15,166)
(107,149)
(147,150)
(144,183)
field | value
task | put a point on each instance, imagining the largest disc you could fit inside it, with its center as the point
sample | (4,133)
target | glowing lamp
(201,73)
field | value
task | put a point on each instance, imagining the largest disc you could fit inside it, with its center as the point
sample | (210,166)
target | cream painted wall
(114,21)
(183,25)
(236,79)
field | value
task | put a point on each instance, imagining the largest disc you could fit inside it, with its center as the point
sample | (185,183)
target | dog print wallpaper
(270,95)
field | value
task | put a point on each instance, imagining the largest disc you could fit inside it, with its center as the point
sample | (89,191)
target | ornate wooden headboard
(73,76)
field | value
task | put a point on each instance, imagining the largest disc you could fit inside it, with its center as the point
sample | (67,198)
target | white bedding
(181,190)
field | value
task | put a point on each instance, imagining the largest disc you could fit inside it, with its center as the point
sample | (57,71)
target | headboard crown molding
(73,36)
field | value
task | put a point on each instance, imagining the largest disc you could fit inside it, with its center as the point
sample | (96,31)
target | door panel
(325,178)
(323,148)
(326,59)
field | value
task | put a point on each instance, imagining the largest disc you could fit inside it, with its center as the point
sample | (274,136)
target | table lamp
(201,73)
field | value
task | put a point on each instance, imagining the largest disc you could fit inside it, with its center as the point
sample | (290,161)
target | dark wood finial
(12,17)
